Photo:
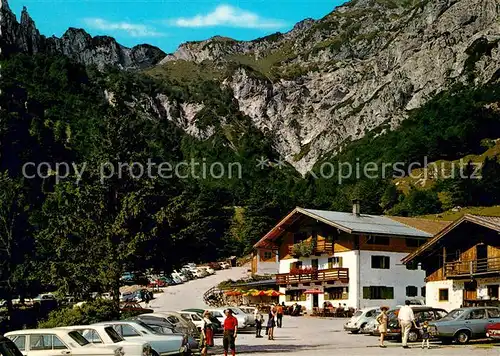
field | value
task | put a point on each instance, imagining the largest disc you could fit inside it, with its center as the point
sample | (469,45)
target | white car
(240,316)
(209,269)
(50,342)
(179,277)
(225,265)
(360,319)
(138,331)
(101,336)
(251,312)
(370,327)
(193,317)
(46,296)
(198,273)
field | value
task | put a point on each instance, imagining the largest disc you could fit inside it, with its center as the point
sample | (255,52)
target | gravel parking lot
(303,335)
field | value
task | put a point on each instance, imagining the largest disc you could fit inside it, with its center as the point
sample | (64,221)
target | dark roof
(491,222)
(348,222)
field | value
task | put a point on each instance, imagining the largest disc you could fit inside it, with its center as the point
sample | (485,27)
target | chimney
(356,207)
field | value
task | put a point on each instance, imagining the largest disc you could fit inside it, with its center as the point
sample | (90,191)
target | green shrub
(89,313)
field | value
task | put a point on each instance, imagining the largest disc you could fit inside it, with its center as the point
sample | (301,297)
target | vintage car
(47,342)
(214,320)
(176,319)
(161,344)
(421,314)
(360,319)
(240,316)
(493,331)
(464,324)
(100,336)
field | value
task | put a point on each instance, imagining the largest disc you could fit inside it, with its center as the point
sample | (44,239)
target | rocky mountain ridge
(76,44)
(363,67)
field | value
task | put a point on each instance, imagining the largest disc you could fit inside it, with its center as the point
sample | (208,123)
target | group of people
(406,319)
(274,319)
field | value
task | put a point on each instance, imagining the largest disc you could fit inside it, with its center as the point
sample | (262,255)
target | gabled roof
(491,222)
(348,222)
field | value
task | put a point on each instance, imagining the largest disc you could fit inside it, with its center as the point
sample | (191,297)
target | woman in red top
(230,332)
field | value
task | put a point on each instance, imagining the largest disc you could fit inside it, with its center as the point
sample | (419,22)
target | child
(424,329)
(259,319)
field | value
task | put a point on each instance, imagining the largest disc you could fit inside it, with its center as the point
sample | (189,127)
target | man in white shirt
(406,319)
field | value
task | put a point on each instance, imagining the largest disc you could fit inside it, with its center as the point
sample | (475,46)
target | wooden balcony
(322,275)
(481,267)
(322,247)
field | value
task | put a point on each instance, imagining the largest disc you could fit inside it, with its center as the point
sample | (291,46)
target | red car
(493,331)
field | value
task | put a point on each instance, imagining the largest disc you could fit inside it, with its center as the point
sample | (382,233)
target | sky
(168,23)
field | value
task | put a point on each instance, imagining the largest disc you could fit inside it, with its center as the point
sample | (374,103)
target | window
(91,335)
(413,265)
(113,335)
(440,313)
(173,319)
(411,291)
(377,292)
(128,331)
(195,317)
(336,293)
(422,291)
(20,342)
(334,262)
(295,296)
(493,291)
(377,240)
(426,315)
(268,255)
(494,313)
(443,295)
(40,342)
(381,262)
(477,314)
(296,265)
(414,242)
(57,344)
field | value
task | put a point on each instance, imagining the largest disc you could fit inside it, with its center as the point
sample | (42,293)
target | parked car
(128,297)
(100,335)
(421,313)
(8,348)
(464,324)
(179,278)
(48,342)
(215,266)
(250,315)
(208,269)
(134,307)
(370,327)
(251,312)
(160,344)
(493,331)
(219,314)
(195,318)
(177,320)
(360,319)
(45,296)
(164,327)
(217,324)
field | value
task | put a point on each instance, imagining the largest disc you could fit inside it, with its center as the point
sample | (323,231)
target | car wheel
(412,336)
(462,337)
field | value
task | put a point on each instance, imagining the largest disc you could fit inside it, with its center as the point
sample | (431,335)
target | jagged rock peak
(76,44)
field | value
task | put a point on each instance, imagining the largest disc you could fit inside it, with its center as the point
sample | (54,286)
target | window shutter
(340,261)
(390,293)
(366,292)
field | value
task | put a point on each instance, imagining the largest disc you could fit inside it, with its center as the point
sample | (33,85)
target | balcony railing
(322,275)
(472,267)
(320,248)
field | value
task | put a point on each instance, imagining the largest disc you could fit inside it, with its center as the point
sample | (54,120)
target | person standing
(279,316)
(230,332)
(425,334)
(271,323)
(146,299)
(259,320)
(207,338)
(406,319)
(382,325)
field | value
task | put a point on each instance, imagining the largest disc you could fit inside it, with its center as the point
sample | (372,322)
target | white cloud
(226,15)
(133,30)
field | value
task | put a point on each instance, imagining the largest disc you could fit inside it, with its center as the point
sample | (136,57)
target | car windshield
(454,314)
(113,335)
(75,335)
(146,326)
